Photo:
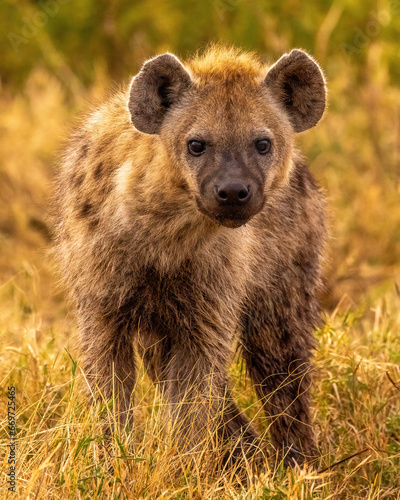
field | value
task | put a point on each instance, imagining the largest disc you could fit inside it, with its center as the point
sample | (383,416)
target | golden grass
(61,453)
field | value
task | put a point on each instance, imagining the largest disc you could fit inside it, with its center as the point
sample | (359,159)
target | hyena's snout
(231,188)
(231,200)
(235,194)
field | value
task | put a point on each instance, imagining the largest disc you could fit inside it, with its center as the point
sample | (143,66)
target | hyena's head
(228,123)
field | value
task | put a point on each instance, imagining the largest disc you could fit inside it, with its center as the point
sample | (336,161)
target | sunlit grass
(62,451)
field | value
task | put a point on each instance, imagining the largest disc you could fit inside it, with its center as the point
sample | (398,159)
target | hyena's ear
(158,86)
(298,84)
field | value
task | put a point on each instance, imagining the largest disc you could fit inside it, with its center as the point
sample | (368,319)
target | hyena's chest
(188,298)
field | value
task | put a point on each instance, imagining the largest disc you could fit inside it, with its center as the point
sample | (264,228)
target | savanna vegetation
(57,57)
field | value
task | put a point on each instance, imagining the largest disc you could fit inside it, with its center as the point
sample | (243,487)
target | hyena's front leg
(196,386)
(277,348)
(109,362)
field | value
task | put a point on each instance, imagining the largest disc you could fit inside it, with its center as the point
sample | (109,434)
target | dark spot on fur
(86,209)
(151,157)
(77,179)
(83,152)
(99,170)
(93,223)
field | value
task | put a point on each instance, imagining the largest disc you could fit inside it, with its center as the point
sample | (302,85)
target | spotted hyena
(187,221)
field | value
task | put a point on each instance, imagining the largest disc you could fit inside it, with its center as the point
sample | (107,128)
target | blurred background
(59,56)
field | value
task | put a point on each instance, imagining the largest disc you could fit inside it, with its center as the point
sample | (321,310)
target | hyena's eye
(263,146)
(196,148)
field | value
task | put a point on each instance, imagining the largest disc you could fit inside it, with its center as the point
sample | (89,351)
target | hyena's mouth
(232,223)
(232,218)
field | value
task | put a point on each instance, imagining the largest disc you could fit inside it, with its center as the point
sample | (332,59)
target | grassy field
(60,445)
(355,154)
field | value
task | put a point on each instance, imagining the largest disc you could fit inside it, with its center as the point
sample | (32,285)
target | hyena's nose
(232,193)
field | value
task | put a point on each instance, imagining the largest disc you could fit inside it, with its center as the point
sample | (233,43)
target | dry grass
(355,154)
(61,452)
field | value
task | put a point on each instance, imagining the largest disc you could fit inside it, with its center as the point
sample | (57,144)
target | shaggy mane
(221,63)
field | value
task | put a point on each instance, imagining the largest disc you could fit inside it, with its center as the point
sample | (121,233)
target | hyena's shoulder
(98,150)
